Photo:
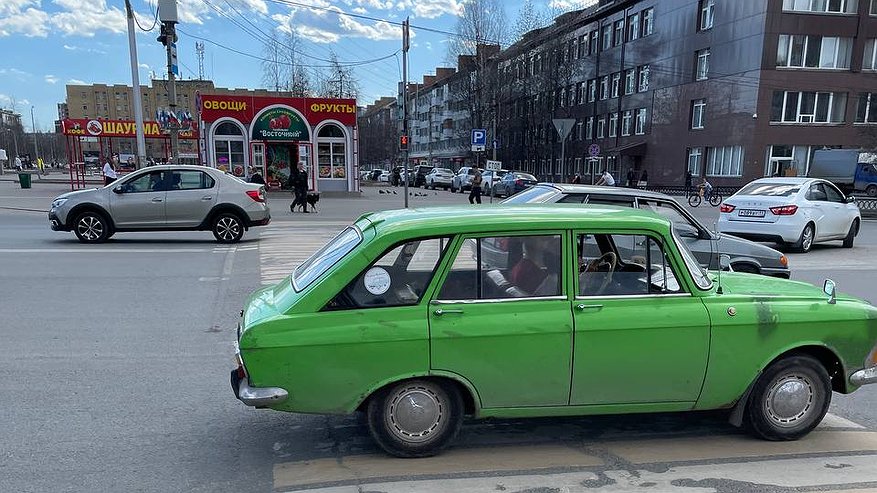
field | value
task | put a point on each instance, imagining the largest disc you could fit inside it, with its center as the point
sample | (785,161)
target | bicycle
(714,198)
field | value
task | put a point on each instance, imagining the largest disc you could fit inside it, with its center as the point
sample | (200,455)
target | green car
(584,310)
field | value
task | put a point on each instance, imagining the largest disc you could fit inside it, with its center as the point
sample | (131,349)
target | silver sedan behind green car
(163,198)
(746,256)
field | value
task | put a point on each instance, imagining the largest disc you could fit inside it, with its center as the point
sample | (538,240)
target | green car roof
(525,217)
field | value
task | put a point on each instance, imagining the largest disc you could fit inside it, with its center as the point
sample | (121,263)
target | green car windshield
(698,273)
(326,257)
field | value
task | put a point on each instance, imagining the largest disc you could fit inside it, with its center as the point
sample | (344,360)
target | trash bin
(24,180)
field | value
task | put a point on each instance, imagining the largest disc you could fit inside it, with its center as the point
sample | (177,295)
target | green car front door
(501,320)
(640,336)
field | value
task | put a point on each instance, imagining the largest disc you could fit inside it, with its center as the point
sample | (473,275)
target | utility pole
(36,151)
(405,102)
(135,82)
(199,49)
(167,11)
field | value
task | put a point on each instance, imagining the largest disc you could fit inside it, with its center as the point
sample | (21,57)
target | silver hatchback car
(746,256)
(164,198)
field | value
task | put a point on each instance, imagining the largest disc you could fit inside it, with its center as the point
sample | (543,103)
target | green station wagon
(421,317)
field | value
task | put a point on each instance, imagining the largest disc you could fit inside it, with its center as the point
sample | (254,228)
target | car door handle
(584,307)
(207,197)
(157,199)
(441,312)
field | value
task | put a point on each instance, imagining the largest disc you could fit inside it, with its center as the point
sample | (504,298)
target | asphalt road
(117,359)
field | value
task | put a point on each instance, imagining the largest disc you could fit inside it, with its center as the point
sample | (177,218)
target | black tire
(91,227)
(805,241)
(871,190)
(851,234)
(806,386)
(426,433)
(694,200)
(453,189)
(715,199)
(227,228)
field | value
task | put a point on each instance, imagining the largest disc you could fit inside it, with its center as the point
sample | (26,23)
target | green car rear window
(326,257)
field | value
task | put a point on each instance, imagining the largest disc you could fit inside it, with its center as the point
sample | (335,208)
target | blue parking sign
(479,137)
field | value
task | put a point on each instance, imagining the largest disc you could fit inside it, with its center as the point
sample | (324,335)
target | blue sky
(47,44)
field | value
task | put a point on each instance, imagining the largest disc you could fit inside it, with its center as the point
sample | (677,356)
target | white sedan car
(794,211)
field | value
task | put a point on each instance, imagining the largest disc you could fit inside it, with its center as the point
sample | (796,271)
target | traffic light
(403,142)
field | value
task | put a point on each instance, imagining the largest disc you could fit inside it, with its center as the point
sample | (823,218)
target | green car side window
(399,277)
(505,267)
(624,265)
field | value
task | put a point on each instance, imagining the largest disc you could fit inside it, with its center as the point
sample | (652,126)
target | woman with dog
(299,183)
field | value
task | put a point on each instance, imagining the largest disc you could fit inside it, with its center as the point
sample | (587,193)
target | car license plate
(751,213)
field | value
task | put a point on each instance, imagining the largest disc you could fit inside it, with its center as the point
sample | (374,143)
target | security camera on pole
(167,14)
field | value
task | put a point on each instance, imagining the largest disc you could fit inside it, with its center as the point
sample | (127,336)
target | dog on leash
(311,199)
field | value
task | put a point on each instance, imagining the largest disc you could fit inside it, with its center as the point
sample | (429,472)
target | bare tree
(529,18)
(338,80)
(297,79)
(273,63)
(482,22)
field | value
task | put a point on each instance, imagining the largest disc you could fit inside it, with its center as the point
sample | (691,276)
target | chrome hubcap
(807,237)
(90,228)
(789,400)
(227,228)
(415,414)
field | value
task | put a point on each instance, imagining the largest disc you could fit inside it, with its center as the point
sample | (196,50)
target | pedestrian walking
(475,194)
(631,178)
(687,183)
(109,171)
(644,179)
(256,177)
(577,179)
(299,182)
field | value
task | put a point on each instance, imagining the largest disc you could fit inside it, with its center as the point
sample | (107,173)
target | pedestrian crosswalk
(282,248)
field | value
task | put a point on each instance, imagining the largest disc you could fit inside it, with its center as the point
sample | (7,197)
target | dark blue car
(513,182)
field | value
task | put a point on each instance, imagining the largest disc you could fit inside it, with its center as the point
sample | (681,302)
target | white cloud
(86,18)
(87,50)
(322,26)
(30,22)
(145,66)
(76,82)
(51,79)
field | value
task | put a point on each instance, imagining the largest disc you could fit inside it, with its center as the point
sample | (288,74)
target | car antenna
(718,257)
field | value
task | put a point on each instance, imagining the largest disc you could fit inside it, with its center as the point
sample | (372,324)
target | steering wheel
(605,263)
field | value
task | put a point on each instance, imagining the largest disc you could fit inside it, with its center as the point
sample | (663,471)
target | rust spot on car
(768,320)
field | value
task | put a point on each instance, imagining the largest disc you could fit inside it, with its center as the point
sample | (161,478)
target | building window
(578,135)
(870,61)
(866,110)
(695,155)
(589,128)
(583,46)
(331,152)
(580,96)
(873,7)
(640,128)
(616,84)
(592,90)
(601,127)
(703,65)
(724,161)
(698,109)
(228,146)
(633,26)
(613,124)
(800,51)
(707,14)
(648,21)
(644,73)
(630,81)
(819,6)
(618,37)
(607,37)
(808,107)
(604,87)
(595,42)
(626,121)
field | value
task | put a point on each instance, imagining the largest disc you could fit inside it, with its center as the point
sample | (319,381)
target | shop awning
(632,149)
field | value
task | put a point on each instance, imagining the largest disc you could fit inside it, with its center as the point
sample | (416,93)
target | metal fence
(868,207)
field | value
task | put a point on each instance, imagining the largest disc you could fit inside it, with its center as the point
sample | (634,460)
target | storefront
(272,135)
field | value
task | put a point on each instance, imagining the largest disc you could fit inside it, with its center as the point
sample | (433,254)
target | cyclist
(706,189)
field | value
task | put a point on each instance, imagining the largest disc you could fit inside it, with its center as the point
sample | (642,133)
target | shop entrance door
(281,159)
(258,159)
